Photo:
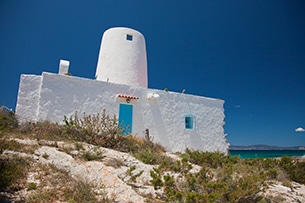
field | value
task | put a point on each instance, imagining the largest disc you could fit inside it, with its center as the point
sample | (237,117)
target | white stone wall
(163,114)
(28,97)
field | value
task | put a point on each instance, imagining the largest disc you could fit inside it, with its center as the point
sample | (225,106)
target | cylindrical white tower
(122,57)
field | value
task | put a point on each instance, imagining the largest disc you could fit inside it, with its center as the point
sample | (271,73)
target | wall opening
(129,37)
(125,118)
(189,122)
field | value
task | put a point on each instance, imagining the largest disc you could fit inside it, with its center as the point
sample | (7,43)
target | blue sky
(249,53)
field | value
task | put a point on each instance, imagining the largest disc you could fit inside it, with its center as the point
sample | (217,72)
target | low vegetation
(217,178)
(57,184)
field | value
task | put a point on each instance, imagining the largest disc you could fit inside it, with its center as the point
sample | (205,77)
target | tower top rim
(123,28)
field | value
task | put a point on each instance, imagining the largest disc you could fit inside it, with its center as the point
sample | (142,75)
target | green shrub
(173,195)
(269,163)
(220,179)
(8,120)
(210,159)
(181,166)
(156,178)
(12,145)
(147,157)
(297,172)
(191,197)
(294,168)
(11,171)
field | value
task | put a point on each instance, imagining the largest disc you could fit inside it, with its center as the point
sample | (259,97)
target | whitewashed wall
(122,61)
(164,116)
(28,97)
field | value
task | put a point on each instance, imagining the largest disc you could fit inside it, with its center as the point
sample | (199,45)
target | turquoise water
(266,153)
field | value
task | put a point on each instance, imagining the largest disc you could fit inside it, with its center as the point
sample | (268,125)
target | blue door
(125,118)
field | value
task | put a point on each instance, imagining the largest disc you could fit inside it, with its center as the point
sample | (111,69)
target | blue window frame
(189,122)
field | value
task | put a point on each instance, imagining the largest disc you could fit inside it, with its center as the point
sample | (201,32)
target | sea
(244,154)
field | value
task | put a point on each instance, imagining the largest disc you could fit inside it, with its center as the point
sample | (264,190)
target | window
(129,37)
(189,122)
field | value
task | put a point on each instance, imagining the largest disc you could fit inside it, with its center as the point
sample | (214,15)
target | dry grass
(115,163)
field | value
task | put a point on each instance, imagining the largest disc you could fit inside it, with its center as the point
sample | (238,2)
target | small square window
(129,37)
(189,122)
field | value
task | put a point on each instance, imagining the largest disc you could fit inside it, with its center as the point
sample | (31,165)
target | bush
(294,168)
(99,129)
(12,145)
(8,120)
(147,157)
(210,159)
(221,178)
(156,178)
(11,171)
(181,166)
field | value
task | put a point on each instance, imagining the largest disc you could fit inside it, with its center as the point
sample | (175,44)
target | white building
(175,120)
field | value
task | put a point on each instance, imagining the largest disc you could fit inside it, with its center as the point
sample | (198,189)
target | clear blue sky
(249,53)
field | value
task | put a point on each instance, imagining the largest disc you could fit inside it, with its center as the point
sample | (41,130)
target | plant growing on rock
(220,179)
(131,176)
(156,178)
(93,155)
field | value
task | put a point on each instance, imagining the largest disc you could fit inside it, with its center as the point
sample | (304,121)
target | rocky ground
(112,175)
(279,193)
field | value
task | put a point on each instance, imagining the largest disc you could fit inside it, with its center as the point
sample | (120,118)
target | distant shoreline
(265,147)
(267,153)
(249,149)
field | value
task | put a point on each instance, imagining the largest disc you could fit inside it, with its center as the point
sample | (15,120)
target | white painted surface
(121,60)
(28,97)
(63,67)
(164,115)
